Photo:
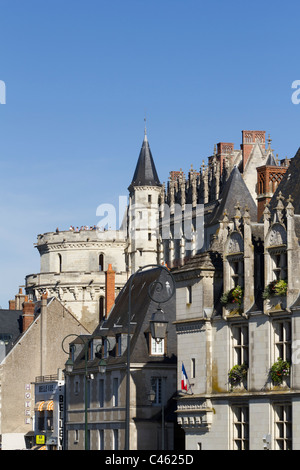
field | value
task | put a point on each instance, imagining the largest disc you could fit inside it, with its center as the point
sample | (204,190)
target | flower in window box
(233,296)
(279,370)
(237,374)
(275,288)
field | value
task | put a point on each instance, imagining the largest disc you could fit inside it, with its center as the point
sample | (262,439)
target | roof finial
(145,131)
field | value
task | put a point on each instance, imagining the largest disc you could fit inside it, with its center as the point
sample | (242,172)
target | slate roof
(11,324)
(289,185)
(235,191)
(10,327)
(142,308)
(145,172)
(271,161)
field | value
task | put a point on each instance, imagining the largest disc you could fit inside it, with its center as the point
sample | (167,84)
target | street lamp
(69,366)
(158,325)
(159,292)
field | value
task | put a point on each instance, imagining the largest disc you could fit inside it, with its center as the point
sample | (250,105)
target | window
(283,426)
(45,420)
(237,271)
(149,236)
(240,344)
(41,421)
(101,393)
(193,368)
(59,263)
(118,345)
(115,439)
(115,391)
(279,264)
(157,348)
(156,383)
(189,297)
(76,436)
(88,393)
(149,198)
(282,339)
(240,427)
(101,439)
(101,262)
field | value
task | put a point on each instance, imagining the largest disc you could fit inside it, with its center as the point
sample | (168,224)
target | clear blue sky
(80,76)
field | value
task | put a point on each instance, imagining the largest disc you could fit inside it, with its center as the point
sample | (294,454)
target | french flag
(184,379)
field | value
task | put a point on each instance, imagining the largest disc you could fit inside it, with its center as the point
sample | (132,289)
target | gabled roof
(235,191)
(145,172)
(289,185)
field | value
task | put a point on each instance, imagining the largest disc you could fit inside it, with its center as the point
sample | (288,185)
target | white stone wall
(143,227)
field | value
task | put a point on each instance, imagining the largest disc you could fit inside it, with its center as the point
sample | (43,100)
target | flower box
(279,371)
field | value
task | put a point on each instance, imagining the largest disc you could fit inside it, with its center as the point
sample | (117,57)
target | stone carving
(277,236)
(235,244)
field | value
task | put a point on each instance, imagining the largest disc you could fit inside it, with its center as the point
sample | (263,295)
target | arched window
(101,262)
(59,263)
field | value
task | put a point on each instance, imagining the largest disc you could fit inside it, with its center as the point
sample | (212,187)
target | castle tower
(144,200)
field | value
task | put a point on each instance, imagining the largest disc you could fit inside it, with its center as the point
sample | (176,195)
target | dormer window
(157,348)
(236,266)
(279,264)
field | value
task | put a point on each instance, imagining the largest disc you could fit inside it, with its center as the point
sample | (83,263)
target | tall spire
(145,172)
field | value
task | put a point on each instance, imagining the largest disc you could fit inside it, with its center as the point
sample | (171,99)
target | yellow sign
(40,439)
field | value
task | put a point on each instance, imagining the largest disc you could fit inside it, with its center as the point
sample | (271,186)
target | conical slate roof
(271,160)
(289,185)
(145,172)
(235,191)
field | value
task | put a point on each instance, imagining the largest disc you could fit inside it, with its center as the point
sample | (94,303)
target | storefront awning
(48,405)
(39,406)
(44,405)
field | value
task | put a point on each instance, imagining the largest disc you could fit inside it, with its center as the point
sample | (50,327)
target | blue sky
(80,76)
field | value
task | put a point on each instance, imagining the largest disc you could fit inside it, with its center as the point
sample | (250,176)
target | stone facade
(234,401)
(73,267)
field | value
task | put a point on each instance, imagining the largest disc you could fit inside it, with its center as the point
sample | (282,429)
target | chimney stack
(109,289)
(12,304)
(28,314)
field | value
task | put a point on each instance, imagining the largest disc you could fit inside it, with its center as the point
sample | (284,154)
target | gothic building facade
(238,305)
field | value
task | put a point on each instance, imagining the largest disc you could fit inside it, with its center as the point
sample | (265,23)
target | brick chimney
(12,304)
(109,289)
(28,314)
(224,150)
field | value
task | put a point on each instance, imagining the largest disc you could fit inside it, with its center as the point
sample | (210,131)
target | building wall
(38,352)
(144,434)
